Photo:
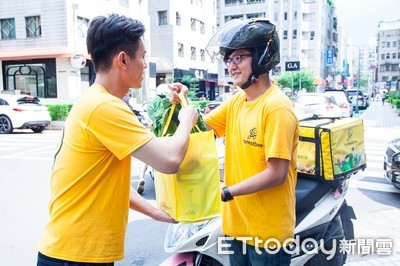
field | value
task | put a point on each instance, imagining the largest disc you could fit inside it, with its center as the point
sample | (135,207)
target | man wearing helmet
(261,133)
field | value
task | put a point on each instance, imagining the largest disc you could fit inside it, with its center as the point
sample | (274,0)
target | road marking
(8,149)
(22,155)
(373,186)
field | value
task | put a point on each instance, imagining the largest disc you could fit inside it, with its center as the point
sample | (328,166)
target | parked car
(342,100)
(217,102)
(22,111)
(362,103)
(309,104)
(391,163)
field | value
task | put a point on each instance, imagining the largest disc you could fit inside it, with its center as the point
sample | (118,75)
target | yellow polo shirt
(254,132)
(90,180)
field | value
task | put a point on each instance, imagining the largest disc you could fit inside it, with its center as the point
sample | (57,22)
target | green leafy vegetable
(158,110)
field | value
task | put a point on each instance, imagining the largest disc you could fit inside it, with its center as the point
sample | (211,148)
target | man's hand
(175,89)
(161,216)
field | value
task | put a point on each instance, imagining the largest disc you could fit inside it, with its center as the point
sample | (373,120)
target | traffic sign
(329,57)
(292,65)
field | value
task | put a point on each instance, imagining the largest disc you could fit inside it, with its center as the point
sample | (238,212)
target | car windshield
(28,99)
(339,96)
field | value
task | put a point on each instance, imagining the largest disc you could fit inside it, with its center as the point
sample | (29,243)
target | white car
(342,100)
(22,111)
(310,104)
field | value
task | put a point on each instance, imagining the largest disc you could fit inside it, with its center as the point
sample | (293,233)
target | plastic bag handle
(184,103)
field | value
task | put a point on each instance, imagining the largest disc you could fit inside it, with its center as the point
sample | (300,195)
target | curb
(56,125)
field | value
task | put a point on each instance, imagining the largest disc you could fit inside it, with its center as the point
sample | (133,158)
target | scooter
(323,226)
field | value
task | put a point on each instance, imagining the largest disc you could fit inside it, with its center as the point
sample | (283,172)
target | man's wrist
(227,194)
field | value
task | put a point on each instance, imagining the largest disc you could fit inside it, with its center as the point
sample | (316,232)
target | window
(295,15)
(180,50)
(202,55)
(294,34)
(178,19)
(312,35)
(256,15)
(398,55)
(227,18)
(285,16)
(193,24)
(7,28)
(383,44)
(393,55)
(276,16)
(33,27)
(83,24)
(382,56)
(394,44)
(387,56)
(388,44)
(193,53)
(285,34)
(162,18)
(124,3)
(294,51)
(202,28)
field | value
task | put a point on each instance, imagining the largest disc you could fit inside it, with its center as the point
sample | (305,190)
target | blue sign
(329,57)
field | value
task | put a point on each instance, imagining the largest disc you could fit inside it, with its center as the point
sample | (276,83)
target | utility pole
(359,72)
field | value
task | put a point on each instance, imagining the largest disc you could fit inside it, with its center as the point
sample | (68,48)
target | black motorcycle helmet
(258,35)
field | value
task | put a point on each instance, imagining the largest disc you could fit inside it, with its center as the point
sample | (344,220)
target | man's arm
(275,175)
(166,156)
(138,203)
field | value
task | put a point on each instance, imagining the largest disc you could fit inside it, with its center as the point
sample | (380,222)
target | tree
(307,80)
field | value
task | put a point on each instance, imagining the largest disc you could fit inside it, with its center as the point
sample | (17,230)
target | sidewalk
(381,116)
(378,116)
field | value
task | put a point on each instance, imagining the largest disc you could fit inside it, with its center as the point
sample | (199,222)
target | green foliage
(396,103)
(307,80)
(169,79)
(330,3)
(59,112)
(200,105)
(159,109)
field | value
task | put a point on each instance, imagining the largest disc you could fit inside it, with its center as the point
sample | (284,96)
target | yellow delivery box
(331,149)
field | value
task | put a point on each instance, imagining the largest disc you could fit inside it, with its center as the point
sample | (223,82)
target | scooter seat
(309,192)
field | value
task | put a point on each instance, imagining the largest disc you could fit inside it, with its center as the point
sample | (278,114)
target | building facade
(307,30)
(388,51)
(180,31)
(43,44)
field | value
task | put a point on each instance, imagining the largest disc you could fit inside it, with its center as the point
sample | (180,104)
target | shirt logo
(251,139)
(252,134)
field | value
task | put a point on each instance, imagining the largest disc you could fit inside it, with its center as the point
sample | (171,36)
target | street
(26,159)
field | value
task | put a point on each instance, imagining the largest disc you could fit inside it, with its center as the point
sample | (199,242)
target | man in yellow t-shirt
(90,180)
(261,137)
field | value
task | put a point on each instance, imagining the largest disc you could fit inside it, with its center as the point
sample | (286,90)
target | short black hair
(109,35)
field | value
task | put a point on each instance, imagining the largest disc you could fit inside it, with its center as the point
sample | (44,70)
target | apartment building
(388,51)
(180,31)
(307,30)
(43,44)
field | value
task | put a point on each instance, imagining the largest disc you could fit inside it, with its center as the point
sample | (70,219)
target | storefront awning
(49,52)
(163,65)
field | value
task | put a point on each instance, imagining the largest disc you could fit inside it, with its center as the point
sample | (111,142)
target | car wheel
(396,185)
(38,129)
(5,125)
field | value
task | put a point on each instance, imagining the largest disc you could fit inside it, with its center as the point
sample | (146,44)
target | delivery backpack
(330,149)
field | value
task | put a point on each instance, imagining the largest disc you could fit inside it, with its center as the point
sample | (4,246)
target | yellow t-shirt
(255,131)
(90,181)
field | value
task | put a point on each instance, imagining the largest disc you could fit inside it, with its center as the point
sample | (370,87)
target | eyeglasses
(236,59)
